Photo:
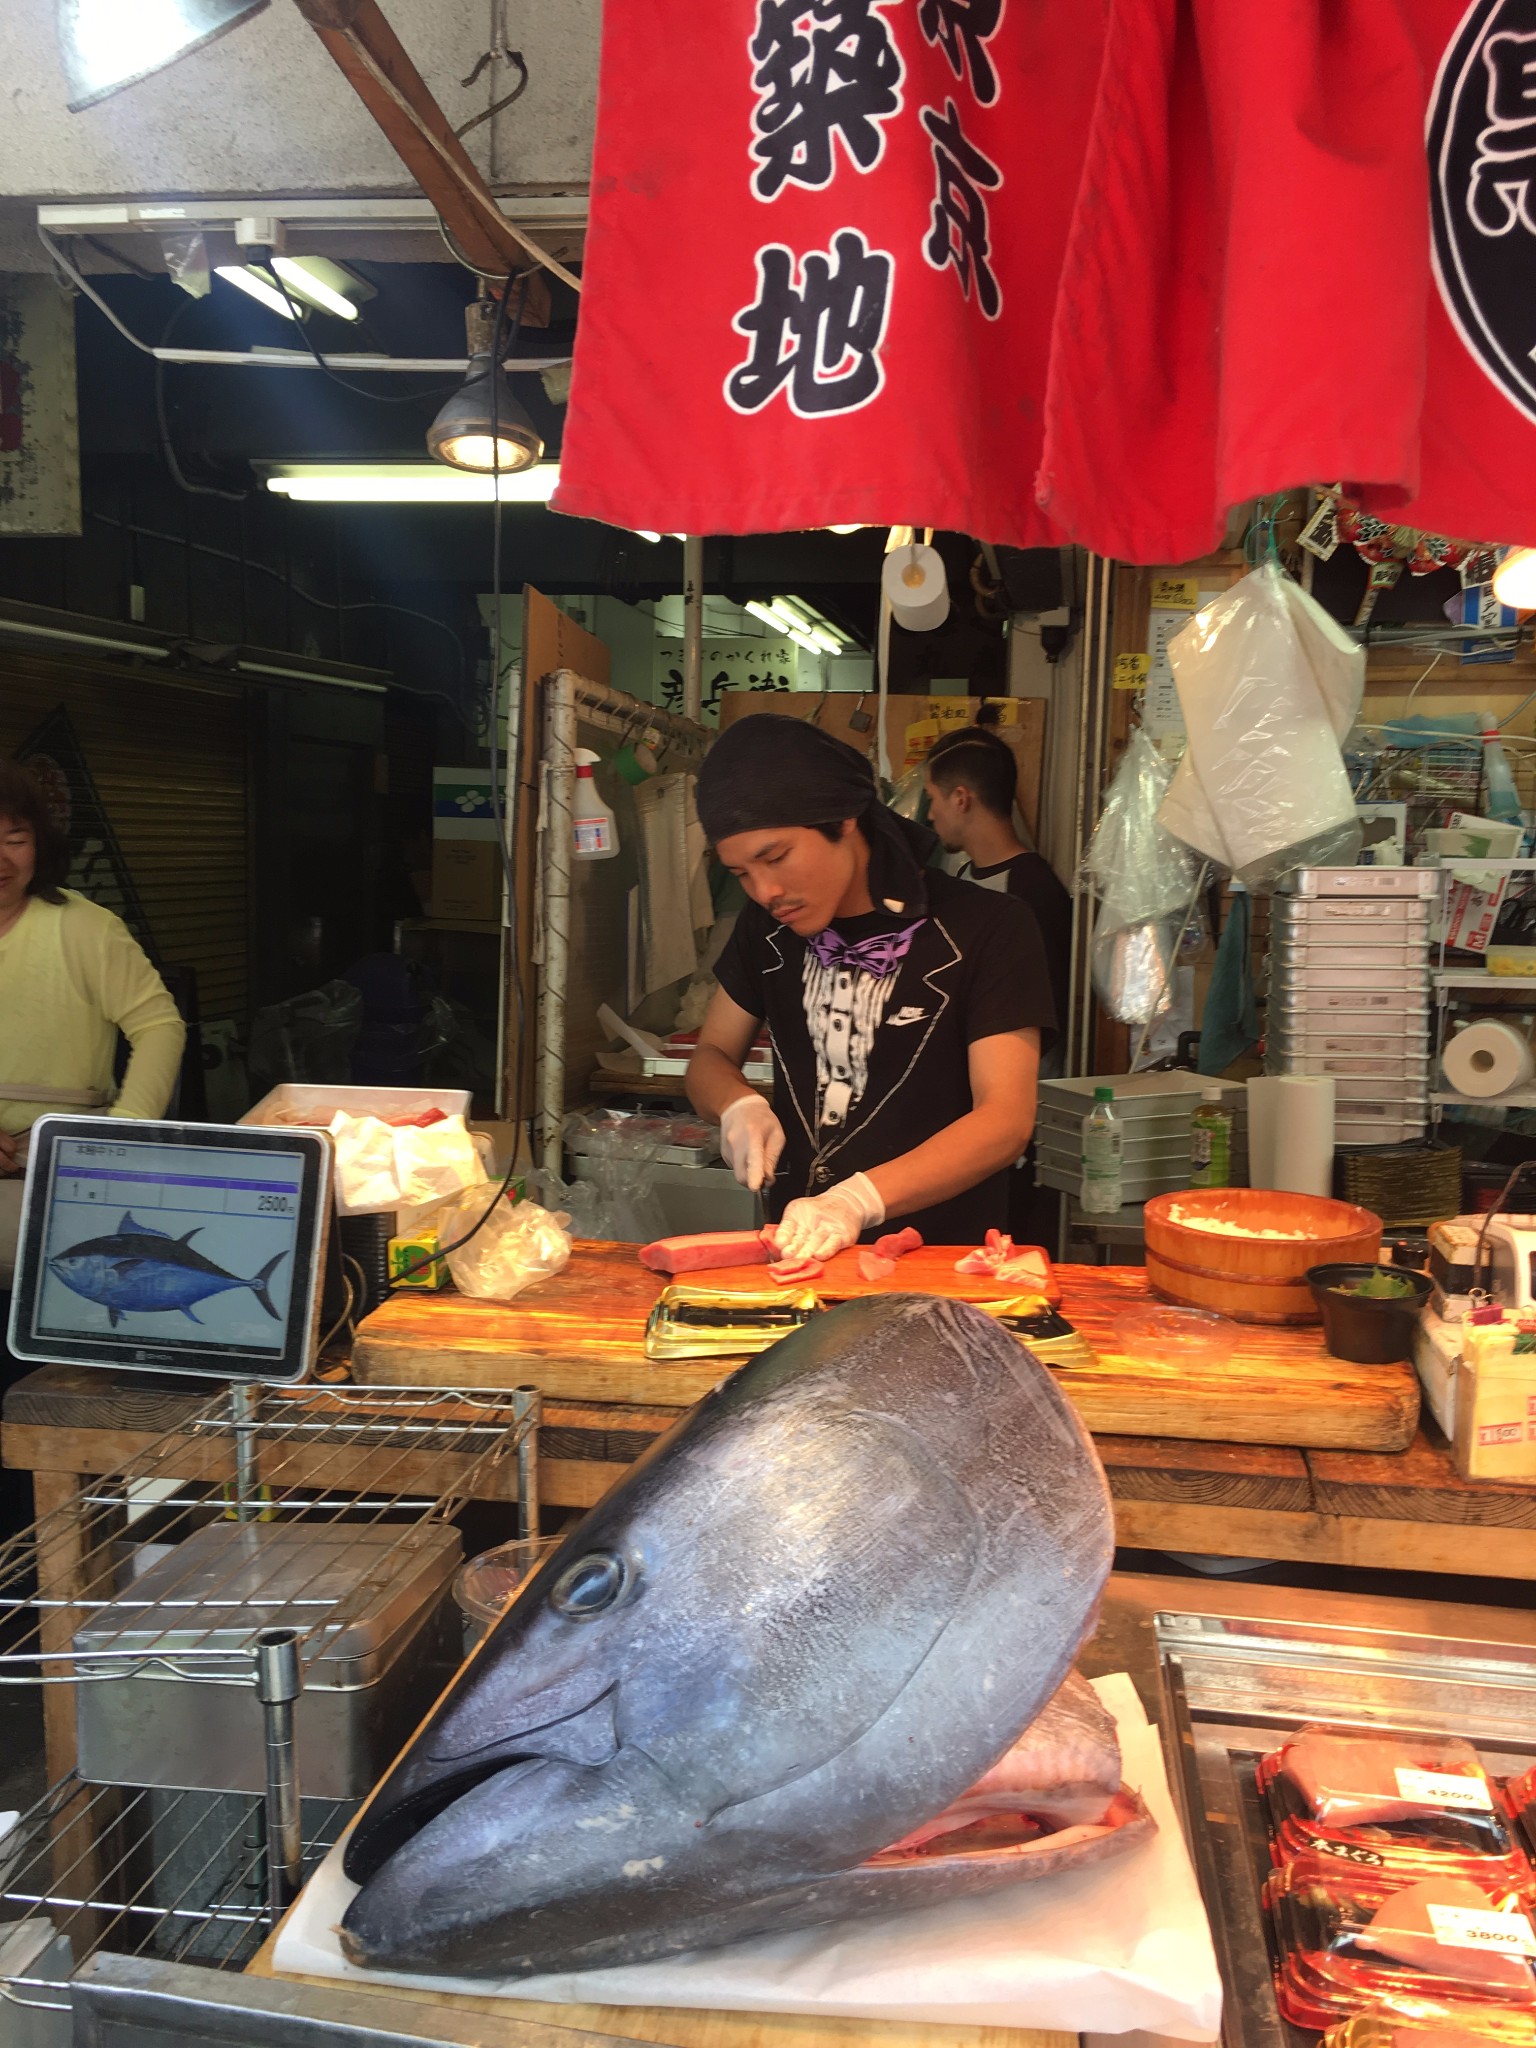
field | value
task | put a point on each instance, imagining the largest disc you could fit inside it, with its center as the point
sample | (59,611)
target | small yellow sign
(921,734)
(945,711)
(1175,594)
(1131,671)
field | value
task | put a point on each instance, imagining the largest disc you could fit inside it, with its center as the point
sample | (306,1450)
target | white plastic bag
(1269,686)
(518,1245)
(388,1166)
(1145,879)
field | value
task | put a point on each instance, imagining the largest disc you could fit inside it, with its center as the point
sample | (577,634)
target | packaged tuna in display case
(1344,1937)
(1404,1803)
(1417,2024)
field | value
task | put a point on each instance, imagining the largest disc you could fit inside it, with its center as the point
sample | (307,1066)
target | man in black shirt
(970,785)
(906,1009)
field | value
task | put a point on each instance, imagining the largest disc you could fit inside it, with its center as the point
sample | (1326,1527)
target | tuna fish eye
(589,1586)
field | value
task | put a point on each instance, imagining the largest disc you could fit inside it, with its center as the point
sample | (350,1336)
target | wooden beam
(375,64)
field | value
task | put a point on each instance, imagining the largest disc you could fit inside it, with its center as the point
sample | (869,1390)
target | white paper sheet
(1110,1949)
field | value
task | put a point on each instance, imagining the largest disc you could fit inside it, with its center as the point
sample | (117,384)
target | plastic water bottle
(1210,1142)
(1503,799)
(1103,1144)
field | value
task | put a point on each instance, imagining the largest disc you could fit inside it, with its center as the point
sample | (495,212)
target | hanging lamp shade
(107,44)
(479,432)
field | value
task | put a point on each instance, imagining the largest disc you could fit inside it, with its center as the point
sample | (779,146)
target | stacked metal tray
(1349,996)
(1154,1111)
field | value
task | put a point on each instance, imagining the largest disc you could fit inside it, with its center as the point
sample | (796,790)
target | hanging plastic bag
(1145,879)
(1269,686)
(518,1245)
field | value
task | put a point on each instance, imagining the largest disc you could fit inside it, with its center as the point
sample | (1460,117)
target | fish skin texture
(791,1675)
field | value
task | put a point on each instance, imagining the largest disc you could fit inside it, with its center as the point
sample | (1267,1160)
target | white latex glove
(751,1139)
(819,1226)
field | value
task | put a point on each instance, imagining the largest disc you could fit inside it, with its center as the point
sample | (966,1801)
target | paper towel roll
(1304,1135)
(1488,1058)
(915,588)
(1263,1122)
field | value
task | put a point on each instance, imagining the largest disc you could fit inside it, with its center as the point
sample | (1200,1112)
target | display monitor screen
(170,1247)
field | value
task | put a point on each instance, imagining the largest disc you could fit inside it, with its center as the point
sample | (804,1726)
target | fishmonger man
(906,1009)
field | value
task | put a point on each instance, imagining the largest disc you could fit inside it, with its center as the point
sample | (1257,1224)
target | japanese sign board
(902,242)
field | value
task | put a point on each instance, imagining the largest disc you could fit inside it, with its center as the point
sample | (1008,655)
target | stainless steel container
(1350,911)
(1361,882)
(380,1635)
(1348,1009)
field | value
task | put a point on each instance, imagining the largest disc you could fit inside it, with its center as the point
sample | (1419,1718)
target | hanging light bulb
(482,427)
(1514,580)
(107,44)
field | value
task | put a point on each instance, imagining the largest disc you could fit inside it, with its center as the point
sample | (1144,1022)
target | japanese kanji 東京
(960,232)
(962,29)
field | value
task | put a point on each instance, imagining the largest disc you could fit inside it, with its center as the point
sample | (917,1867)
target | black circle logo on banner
(1481,139)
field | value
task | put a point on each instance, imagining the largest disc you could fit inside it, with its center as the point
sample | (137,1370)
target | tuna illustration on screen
(143,1271)
(809,1660)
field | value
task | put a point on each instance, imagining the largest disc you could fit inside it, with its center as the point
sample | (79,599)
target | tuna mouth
(422,1786)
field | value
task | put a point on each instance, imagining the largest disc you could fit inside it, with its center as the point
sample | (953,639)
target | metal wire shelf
(176,1875)
(200,1876)
(263,1456)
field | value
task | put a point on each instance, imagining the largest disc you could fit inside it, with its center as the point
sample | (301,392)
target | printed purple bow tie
(879,956)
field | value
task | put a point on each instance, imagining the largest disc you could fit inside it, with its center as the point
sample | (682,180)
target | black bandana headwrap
(768,770)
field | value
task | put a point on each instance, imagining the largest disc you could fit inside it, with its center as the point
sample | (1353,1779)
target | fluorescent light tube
(413,483)
(803,640)
(256,287)
(303,283)
(778,620)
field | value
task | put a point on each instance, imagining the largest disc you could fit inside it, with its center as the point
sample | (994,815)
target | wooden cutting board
(579,1337)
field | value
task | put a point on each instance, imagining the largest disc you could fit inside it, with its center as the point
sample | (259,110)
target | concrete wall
(264,110)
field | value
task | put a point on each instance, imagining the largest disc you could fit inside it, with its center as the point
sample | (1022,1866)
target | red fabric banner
(1043,272)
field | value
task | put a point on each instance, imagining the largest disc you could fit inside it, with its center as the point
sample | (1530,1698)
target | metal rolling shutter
(169,761)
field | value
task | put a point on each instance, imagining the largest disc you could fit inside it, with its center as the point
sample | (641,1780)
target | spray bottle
(596,832)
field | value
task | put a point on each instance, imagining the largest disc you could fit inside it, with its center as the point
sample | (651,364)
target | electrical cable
(357,390)
(498,803)
(163,422)
(464,707)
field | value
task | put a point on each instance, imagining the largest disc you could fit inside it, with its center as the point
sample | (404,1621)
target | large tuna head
(811,1616)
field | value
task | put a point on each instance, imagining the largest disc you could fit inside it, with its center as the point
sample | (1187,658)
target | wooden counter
(580,1336)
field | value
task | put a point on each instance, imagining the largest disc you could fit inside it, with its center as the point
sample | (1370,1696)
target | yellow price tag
(1175,594)
(1131,671)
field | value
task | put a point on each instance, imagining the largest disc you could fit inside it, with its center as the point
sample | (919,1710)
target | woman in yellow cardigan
(71,977)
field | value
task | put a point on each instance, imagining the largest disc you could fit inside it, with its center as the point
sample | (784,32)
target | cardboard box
(466,880)
(1471,913)
(461,804)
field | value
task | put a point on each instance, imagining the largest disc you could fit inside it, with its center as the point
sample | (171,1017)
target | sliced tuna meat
(706,1250)
(1354,1781)
(795,1272)
(1401,1931)
(897,1243)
